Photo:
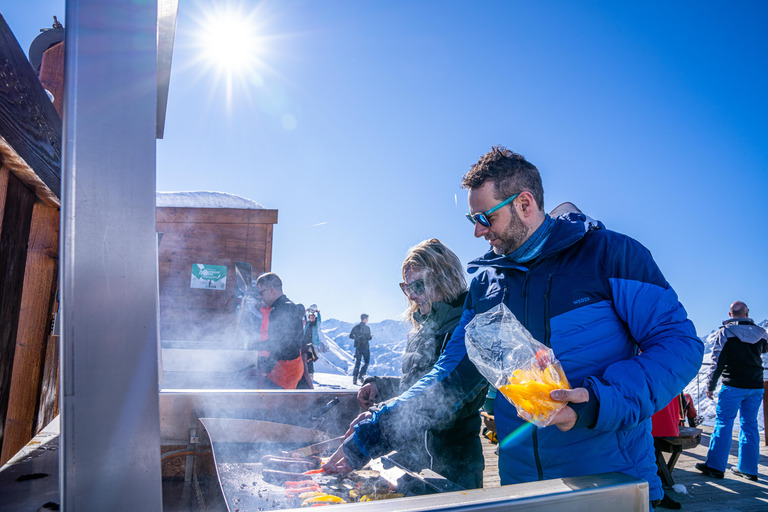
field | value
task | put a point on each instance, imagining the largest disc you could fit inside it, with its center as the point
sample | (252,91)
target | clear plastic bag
(521,368)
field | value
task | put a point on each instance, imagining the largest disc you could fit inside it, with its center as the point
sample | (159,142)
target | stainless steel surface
(167,11)
(237,452)
(32,480)
(314,449)
(110,440)
(430,481)
(229,430)
(610,491)
(180,409)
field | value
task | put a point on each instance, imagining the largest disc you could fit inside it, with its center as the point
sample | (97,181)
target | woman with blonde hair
(435,286)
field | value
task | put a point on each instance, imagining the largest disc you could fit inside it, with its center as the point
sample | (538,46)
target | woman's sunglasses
(416,287)
(482,217)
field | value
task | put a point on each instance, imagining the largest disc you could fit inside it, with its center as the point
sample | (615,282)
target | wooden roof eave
(30,127)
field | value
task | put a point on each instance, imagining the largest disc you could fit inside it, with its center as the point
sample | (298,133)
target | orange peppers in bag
(521,368)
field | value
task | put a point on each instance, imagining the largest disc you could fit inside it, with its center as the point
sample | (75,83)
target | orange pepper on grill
(323,498)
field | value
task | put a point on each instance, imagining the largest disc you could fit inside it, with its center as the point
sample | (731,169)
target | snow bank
(204,199)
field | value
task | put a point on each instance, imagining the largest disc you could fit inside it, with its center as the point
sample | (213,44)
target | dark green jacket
(453,449)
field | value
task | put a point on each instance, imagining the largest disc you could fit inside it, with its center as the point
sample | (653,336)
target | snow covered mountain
(387,346)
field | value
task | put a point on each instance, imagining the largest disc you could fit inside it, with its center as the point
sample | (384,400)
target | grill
(231,450)
(229,431)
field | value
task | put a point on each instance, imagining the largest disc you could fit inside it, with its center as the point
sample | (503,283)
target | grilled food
(290,464)
(281,477)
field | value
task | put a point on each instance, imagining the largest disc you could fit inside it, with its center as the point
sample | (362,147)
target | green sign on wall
(210,277)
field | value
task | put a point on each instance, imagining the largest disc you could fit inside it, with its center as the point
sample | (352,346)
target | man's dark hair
(363,317)
(509,172)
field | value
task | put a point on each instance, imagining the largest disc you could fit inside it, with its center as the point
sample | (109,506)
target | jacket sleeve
(432,402)
(670,353)
(718,362)
(387,387)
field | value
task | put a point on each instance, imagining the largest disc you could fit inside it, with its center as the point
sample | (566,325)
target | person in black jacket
(361,333)
(434,283)
(736,355)
(283,367)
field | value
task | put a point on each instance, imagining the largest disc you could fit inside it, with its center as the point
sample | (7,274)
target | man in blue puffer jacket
(594,296)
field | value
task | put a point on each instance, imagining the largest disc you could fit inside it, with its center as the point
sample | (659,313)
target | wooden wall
(210,236)
(30,180)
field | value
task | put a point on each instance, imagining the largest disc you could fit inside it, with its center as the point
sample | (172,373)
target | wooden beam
(38,293)
(30,128)
(48,403)
(14,234)
(216,215)
(268,251)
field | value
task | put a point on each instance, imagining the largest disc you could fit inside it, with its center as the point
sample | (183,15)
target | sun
(229,40)
(231,44)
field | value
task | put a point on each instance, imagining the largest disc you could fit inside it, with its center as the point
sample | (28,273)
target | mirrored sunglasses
(416,287)
(482,217)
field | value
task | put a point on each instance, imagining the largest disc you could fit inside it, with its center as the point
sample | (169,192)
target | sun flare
(229,40)
(231,43)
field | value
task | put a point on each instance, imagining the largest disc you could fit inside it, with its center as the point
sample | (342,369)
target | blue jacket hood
(569,228)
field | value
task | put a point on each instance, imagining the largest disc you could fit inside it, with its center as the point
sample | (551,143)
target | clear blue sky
(359,118)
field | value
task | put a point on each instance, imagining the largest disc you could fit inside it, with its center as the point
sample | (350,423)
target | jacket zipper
(524,295)
(539,470)
(547,326)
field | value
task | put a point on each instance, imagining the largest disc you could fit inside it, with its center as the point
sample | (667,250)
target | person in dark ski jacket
(283,366)
(361,333)
(596,297)
(312,338)
(736,356)
(433,281)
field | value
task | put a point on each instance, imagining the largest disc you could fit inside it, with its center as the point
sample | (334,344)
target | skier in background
(361,333)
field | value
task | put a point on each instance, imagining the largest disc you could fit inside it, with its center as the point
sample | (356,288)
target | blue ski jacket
(597,298)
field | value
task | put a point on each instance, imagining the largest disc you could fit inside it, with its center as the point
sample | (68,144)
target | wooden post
(38,292)
(14,234)
(52,75)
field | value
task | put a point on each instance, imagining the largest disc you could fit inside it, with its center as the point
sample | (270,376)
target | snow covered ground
(333,381)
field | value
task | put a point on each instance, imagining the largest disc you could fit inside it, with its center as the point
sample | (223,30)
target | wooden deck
(702,493)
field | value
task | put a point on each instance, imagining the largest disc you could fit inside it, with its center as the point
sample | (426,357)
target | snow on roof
(205,199)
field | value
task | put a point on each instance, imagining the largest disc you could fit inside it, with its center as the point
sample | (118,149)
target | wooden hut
(202,235)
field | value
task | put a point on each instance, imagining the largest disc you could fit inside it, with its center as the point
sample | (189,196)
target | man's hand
(366,395)
(363,416)
(337,464)
(566,417)
(710,395)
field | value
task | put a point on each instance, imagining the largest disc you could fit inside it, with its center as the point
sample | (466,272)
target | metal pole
(110,436)
(765,412)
